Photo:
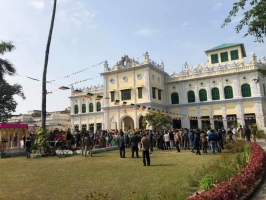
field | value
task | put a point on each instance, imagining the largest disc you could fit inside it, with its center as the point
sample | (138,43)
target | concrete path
(261,193)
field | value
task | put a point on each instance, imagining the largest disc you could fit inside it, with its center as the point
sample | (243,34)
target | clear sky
(87,32)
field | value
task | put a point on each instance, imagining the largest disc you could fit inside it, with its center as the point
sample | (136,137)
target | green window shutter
(98,106)
(76,109)
(245,89)
(203,95)
(191,97)
(215,94)
(175,98)
(228,92)
(160,94)
(154,93)
(214,58)
(140,93)
(91,107)
(83,108)
(126,94)
(224,57)
(234,55)
(112,96)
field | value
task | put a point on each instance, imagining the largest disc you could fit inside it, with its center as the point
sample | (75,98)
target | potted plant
(3,148)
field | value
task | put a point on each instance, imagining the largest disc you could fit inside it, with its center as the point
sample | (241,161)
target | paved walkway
(261,193)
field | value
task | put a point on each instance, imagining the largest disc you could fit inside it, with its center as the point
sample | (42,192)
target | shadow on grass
(161,165)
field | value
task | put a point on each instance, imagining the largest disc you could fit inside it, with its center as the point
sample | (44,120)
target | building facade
(219,93)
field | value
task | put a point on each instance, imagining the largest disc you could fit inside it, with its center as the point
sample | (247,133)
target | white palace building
(219,93)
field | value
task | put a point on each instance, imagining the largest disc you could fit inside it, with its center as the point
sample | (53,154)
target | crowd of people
(195,140)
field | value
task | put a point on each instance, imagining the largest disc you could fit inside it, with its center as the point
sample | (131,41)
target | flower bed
(240,184)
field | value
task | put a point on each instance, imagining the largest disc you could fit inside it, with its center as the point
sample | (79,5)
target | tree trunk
(45,68)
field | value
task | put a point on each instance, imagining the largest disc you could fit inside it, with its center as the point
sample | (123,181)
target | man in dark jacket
(247,133)
(212,141)
(28,146)
(86,143)
(146,144)
(121,144)
(134,140)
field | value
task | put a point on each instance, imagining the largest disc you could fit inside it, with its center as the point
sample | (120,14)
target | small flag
(76,91)
(64,88)
(98,98)
(138,106)
(132,105)
(116,102)
(124,103)
(143,108)
(88,95)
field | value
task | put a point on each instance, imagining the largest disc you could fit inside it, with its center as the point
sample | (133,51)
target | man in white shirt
(166,139)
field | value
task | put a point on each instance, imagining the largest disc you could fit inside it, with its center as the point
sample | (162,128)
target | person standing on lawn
(177,139)
(28,146)
(86,143)
(121,144)
(146,144)
(134,140)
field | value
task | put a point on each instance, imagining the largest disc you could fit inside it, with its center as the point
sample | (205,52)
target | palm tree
(45,68)
(5,66)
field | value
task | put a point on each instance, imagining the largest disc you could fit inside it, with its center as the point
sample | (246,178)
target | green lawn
(76,177)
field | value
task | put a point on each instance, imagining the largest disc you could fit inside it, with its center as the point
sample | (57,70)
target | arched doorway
(127,123)
(140,122)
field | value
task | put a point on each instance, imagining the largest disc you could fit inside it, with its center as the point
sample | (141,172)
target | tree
(44,92)
(158,121)
(254,18)
(5,66)
(7,102)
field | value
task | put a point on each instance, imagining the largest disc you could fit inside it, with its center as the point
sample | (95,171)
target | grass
(77,177)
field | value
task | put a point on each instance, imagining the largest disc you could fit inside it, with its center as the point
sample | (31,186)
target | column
(95,125)
(147,84)
(72,106)
(87,123)
(198,116)
(221,88)
(209,94)
(79,104)
(136,123)
(80,123)
(105,91)
(255,87)
(196,90)
(236,87)
(185,123)
(224,116)
(259,114)
(182,92)
(72,124)
(211,117)
(240,113)
(118,120)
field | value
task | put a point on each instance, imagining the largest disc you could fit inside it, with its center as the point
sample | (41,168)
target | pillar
(240,113)
(236,87)
(211,117)
(221,89)
(198,116)
(224,116)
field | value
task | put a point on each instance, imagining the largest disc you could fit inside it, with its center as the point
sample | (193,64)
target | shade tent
(12,135)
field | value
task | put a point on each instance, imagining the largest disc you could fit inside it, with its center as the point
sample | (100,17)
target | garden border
(230,185)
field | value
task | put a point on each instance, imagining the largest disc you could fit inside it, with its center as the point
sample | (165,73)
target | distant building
(219,93)
(55,119)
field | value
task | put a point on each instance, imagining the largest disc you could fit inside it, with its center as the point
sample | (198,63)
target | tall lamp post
(45,67)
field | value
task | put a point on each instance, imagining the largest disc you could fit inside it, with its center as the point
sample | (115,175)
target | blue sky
(87,32)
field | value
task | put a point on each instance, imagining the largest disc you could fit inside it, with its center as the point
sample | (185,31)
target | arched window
(83,108)
(228,92)
(215,94)
(245,89)
(76,109)
(191,97)
(91,107)
(203,95)
(174,98)
(98,105)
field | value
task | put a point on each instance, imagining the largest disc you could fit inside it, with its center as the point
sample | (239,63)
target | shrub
(239,184)
(207,182)
(260,134)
